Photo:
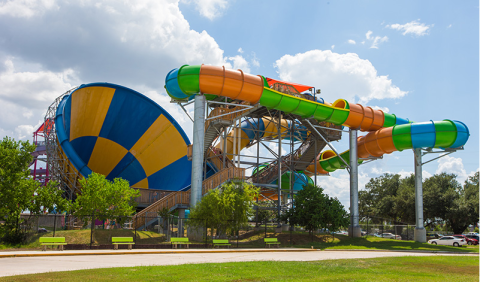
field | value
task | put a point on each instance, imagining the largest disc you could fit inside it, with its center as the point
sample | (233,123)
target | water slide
(387,132)
(268,129)
(118,132)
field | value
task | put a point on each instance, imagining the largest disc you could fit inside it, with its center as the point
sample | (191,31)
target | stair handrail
(168,201)
(221,177)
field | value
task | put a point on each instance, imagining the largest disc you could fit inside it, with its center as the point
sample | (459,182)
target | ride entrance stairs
(301,158)
(181,199)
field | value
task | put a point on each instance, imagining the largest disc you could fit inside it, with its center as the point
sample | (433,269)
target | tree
(105,199)
(464,208)
(165,214)
(266,211)
(405,201)
(336,216)
(313,209)
(379,197)
(19,192)
(444,199)
(225,208)
(439,194)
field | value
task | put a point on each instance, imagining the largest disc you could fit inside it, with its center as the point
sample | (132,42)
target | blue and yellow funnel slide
(118,132)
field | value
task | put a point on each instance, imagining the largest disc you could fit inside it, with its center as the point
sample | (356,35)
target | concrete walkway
(29,262)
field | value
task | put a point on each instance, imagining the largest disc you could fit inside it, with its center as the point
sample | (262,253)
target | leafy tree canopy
(391,197)
(105,199)
(19,192)
(225,208)
(313,209)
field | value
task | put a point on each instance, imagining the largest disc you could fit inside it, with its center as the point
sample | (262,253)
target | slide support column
(420,234)
(354,229)
(197,150)
(279,203)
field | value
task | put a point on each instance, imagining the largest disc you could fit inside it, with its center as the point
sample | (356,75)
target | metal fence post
(54,223)
(92,226)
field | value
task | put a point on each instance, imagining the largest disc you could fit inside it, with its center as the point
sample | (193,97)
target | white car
(389,236)
(448,241)
(341,232)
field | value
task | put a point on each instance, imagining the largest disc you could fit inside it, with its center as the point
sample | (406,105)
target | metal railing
(169,201)
(226,114)
(221,177)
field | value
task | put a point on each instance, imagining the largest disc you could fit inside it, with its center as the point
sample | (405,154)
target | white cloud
(338,75)
(255,62)
(351,41)
(239,62)
(375,40)
(26,8)
(25,97)
(413,27)
(134,44)
(333,47)
(338,185)
(453,165)
(211,8)
(449,26)
(384,109)
(240,50)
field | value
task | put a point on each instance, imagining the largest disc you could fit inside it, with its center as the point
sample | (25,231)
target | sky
(416,59)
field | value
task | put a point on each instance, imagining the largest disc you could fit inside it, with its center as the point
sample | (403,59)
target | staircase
(304,155)
(182,199)
(221,118)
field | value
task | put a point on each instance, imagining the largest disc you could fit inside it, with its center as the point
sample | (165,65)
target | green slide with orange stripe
(387,132)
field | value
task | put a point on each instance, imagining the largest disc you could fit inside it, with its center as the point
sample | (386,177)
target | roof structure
(299,87)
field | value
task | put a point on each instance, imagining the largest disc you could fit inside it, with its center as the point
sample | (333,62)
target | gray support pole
(315,162)
(354,230)
(279,193)
(197,152)
(181,221)
(420,234)
(224,147)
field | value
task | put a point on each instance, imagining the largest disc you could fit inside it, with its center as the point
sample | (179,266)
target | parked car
(448,241)
(42,230)
(390,236)
(476,237)
(433,236)
(470,241)
(341,232)
(472,233)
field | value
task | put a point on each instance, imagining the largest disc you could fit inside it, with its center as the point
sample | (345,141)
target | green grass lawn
(438,268)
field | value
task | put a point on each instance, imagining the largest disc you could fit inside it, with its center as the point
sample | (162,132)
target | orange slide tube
(234,84)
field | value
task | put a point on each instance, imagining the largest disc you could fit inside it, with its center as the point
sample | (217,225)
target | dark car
(42,230)
(469,240)
(474,237)
(433,236)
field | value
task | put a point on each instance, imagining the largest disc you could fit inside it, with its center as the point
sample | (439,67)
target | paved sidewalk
(29,262)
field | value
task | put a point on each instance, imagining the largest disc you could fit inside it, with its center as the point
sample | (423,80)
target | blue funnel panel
(118,132)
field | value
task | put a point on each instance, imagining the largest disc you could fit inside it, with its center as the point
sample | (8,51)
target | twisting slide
(387,132)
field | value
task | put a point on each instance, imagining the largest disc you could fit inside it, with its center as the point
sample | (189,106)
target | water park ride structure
(118,132)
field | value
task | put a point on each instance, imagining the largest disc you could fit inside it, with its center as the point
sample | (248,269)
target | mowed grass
(437,268)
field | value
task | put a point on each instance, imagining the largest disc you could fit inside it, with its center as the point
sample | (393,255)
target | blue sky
(416,59)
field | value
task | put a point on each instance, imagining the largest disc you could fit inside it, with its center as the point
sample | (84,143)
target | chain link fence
(92,232)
